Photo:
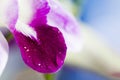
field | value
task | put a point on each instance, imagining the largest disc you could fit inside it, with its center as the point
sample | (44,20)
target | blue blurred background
(99,58)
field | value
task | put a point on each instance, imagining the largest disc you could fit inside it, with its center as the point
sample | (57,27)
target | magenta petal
(47,53)
(40,10)
(67,24)
(61,17)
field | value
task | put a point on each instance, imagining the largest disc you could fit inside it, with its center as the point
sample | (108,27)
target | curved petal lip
(47,53)
(67,24)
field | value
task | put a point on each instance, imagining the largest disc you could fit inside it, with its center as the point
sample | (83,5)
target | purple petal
(61,17)
(33,12)
(70,28)
(3,53)
(41,9)
(42,46)
(51,12)
(36,44)
(45,54)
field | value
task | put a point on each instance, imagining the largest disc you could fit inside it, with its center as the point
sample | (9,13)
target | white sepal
(4,49)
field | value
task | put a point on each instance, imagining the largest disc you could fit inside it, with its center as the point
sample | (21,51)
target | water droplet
(25,47)
(61,61)
(27,50)
(39,64)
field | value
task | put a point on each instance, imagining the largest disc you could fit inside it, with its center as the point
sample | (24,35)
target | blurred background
(99,58)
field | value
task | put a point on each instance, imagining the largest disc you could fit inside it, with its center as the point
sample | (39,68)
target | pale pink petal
(69,26)
(8,13)
(38,12)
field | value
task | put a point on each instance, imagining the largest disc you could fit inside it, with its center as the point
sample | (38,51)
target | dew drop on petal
(47,53)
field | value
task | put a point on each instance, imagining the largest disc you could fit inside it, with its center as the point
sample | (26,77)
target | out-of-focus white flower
(4,50)
(96,54)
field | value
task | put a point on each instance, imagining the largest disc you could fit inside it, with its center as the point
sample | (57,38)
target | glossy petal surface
(45,54)
(52,13)
(60,17)
(3,53)
(42,46)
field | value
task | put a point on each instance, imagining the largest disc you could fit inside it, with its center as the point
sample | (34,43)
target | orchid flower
(43,30)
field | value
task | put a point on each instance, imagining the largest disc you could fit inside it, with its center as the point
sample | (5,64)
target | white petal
(8,12)
(25,10)
(25,29)
(3,52)
(68,25)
